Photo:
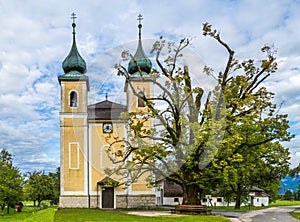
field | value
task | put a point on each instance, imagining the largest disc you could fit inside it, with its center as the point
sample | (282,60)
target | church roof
(106,110)
(139,65)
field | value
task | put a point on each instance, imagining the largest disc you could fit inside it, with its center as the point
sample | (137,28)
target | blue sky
(36,37)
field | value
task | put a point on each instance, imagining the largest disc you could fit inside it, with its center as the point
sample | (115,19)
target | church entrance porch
(106,193)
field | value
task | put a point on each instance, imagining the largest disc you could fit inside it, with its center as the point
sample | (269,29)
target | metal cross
(73,16)
(140,18)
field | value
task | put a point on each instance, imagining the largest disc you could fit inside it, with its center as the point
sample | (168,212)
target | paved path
(272,214)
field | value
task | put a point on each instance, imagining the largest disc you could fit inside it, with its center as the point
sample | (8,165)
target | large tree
(260,166)
(10,181)
(39,187)
(238,114)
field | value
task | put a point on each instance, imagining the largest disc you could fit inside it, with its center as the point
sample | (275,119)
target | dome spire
(139,59)
(74,61)
(73,17)
(140,18)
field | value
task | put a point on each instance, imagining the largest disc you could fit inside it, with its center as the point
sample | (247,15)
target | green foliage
(288,195)
(250,153)
(39,187)
(10,181)
(56,186)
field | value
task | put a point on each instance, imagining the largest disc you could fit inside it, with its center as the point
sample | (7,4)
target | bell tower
(139,68)
(74,85)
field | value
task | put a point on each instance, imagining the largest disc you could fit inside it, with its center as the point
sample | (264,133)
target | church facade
(88,130)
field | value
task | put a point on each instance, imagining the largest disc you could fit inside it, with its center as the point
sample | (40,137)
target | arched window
(140,101)
(73,99)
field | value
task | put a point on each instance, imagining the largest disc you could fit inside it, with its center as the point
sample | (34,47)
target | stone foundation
(136,201)
(122,201)
(93,201)
(73,202)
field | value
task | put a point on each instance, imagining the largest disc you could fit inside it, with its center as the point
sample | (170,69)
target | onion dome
(140,59)
(74,61)
(74,65)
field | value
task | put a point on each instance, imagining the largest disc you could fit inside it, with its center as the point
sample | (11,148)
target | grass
(46,215)
(93,215)
(296,215)
(231,208)
(285,203)
(29,214)
(32,214)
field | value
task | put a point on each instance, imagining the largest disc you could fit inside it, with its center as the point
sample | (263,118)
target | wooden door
(108,197)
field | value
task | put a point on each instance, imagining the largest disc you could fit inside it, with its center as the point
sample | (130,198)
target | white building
(170,194)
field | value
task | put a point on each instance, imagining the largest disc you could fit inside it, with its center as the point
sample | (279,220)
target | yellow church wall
(100,140)
(141,184)
(140,187)
(73,132)
(145,86)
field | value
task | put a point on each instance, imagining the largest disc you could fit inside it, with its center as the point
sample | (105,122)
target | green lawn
(93,215)
(29,214)
(231,208)
(296,215)
(285,203)
(46,215)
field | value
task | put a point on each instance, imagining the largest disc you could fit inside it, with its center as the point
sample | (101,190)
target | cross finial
(140,18)
(106,96)
(73,17)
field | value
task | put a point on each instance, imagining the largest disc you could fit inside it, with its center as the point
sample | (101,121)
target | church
(87,130)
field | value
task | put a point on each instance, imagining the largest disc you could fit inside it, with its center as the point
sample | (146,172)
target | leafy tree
(262,166)
(288,195)
(236,125)
(295,171)
(10,181)
(297,194)
(56,189)
(39,187)
(5,157)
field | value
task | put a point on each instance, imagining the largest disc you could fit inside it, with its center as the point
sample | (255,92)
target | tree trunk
(238,200)
(191,195)
(8,208)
